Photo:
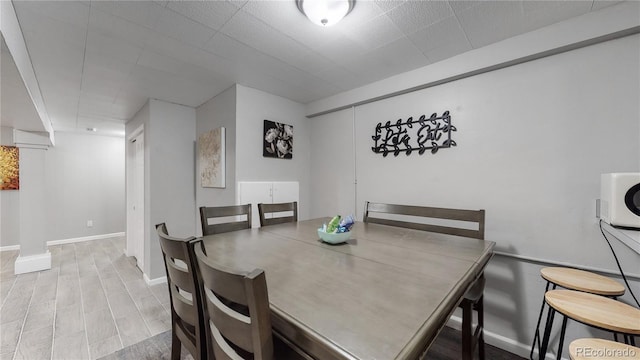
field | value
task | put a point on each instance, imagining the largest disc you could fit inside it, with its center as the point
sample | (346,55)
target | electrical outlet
(89,223)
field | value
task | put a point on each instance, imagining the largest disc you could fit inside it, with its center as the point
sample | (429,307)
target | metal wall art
(419,135)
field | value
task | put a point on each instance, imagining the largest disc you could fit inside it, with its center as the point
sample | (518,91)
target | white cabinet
(255,192)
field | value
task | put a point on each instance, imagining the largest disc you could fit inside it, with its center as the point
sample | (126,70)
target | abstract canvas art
(9,168)
(277,140)
(211,155)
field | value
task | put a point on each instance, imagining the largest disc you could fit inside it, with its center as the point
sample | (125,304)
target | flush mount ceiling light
(325,12)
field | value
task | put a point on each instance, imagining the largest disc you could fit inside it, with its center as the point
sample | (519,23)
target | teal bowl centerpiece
(334,238)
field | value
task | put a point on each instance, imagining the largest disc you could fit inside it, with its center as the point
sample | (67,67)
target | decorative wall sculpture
(278,140)
(9,168)
(419,135)
(211,154)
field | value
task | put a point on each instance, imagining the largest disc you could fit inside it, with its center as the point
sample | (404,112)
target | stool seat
(600,349)
(595,310)
(574,279)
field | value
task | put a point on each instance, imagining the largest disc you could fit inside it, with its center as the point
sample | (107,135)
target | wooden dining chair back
(233,334)
(373,210)
(187,321)
(473,298)
(266,209)
(219,212)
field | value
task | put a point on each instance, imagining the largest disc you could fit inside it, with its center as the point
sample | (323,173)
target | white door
(135,234)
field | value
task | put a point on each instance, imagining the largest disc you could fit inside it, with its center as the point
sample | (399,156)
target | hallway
(91,303)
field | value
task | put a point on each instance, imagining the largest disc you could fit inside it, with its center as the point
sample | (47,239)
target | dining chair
(264,209)
(237,314)
(474,297)
(187,321)
(218,212)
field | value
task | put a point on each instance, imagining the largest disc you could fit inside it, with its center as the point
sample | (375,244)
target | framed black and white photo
(277,140)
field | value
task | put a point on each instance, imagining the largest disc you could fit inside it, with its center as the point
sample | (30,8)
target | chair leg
(480,310)
(176,345)
(467,325)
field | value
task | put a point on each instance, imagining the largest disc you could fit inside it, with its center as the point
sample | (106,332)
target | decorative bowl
(336,238)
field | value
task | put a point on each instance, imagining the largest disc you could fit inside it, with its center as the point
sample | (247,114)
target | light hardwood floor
(91,303)
(94,302)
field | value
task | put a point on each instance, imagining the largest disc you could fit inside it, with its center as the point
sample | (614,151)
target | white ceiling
(97,62)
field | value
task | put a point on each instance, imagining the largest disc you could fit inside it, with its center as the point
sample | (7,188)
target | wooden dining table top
(383,294)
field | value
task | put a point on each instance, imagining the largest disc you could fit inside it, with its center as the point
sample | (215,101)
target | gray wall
(255,106)
(218,111)
(85,181)
(532,140)
(85,178)
(242,110)
(333,165)
(169,141)
(9,203)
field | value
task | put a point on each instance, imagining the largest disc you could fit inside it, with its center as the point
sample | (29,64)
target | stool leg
(547,334)
(536,337)
(564,329)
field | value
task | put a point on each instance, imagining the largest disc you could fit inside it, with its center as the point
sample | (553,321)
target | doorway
(135,197)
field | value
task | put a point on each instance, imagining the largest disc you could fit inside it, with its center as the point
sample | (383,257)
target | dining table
(383,294)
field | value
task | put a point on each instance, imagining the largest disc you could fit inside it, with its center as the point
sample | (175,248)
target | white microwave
(620,199)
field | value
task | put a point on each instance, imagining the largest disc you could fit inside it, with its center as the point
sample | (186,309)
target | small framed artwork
(277,140)
(211,153)
(9,168)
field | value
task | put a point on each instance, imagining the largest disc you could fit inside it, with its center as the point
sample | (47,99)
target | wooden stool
(593,310)
(600,349)
(574,279)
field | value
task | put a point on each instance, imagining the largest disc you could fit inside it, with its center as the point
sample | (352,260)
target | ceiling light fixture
(325,12)
(92,129)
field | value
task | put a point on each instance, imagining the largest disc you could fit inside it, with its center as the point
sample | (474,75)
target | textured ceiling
(97,62)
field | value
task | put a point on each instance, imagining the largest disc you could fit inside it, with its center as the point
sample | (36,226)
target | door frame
(134,248)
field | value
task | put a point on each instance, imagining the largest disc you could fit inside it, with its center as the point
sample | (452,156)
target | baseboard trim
(84,238)
(32,263)
(502,342)
(9,248)
(155,281)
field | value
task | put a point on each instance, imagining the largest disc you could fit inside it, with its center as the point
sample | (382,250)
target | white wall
(216,112)
(85,181)
(532,140)
(252,108)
